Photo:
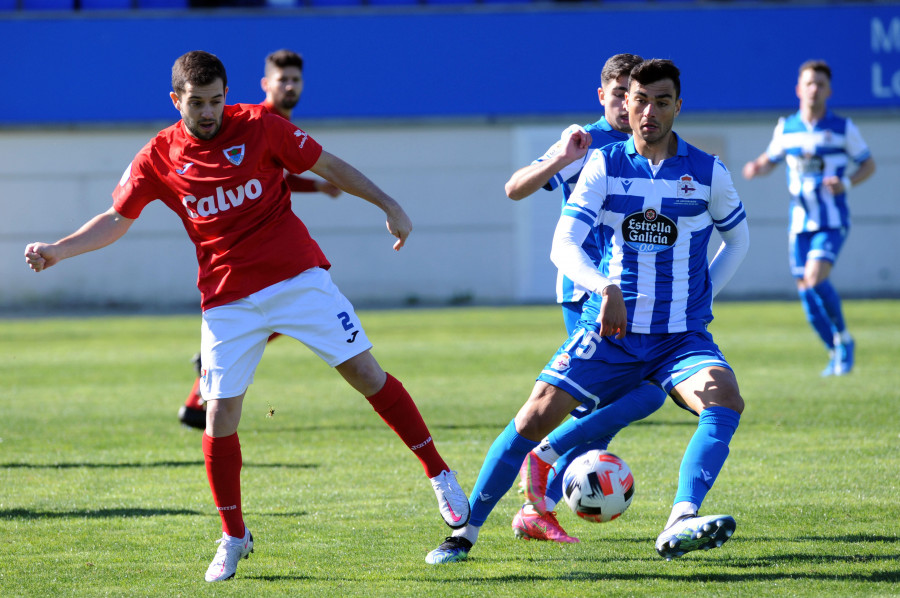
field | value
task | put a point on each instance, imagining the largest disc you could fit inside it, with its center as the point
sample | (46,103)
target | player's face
(652,109)
(612,98)
(201,108)
(283,87)
(813,89)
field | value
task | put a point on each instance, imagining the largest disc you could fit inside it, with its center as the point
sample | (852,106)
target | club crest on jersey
(561,362)
(235,154)
(649,231)
(686,186)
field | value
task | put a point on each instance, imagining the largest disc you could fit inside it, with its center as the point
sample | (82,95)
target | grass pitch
(102,493)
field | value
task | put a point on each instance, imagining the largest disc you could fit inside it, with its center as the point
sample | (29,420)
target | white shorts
(308,307)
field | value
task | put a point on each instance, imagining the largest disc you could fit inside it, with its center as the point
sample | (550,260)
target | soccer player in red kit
(283,85)
(220,169)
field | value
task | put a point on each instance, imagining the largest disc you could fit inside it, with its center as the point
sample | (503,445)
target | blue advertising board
(115,67)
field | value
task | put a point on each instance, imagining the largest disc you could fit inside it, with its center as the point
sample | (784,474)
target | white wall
(469,241)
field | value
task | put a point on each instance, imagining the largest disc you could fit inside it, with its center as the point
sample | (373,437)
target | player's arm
(761,166)
(525,181)
(300,184)
(730,220)
(838,185)
(100,231)
(349,179)
(567,252)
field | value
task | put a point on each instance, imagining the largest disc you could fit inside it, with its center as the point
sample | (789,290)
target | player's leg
(543,411)
(193,412)
(310,308)
(232,343)
(594,431)
(799,245)
(396,407)
(712,392)
(543,468)
(824,249)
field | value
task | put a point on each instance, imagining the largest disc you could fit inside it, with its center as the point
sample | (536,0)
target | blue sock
(555,479)
(817,317)
(498,472)
(596,430)
(706,454)
(831,304)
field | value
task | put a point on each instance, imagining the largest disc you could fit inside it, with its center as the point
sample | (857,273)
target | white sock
(680,509)
(469,532)
(545,452)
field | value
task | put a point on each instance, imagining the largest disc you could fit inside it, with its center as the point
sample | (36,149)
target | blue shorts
(600,370)
(816,245)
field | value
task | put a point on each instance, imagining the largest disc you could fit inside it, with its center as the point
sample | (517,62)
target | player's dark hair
(618,65)
(282,59)
(657,69)
(819,66)
(197,68)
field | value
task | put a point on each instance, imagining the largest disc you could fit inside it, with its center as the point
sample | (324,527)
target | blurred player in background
(654,200)
(283,85)
(817,146)
(221,170)
(560,167)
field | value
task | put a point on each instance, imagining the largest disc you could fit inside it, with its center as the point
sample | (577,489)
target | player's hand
(576,143)
(328,188)
(613,314)
(834,185)
(751,169)
(399,225)
(40,256)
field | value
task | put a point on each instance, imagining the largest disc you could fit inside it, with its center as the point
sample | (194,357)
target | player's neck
(659,150)
(812,114)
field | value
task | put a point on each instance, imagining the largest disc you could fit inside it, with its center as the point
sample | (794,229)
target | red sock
(223,468)
(193,400)
(398,410)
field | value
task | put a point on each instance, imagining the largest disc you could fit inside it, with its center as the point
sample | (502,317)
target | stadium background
(439,104)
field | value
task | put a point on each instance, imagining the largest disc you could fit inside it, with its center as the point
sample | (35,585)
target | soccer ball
(598,486)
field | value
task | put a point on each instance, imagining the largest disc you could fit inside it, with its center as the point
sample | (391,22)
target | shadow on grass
(279,577)
(123,513)
(152,464)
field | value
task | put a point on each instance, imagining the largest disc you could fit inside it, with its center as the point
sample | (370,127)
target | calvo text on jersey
(649,231)
(224,199)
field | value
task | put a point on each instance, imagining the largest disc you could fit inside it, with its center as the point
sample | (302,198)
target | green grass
(103,494)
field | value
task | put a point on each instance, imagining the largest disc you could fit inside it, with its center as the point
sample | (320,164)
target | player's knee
(733,401)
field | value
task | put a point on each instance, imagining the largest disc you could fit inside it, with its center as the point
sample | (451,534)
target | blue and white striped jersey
(811,152)
(602,134)
(653,224)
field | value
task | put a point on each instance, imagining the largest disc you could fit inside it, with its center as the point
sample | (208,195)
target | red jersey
(232,199)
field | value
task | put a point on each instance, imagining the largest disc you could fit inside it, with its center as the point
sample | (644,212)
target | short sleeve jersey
(232,199)
(602,134)
(813,151)
(653,224)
